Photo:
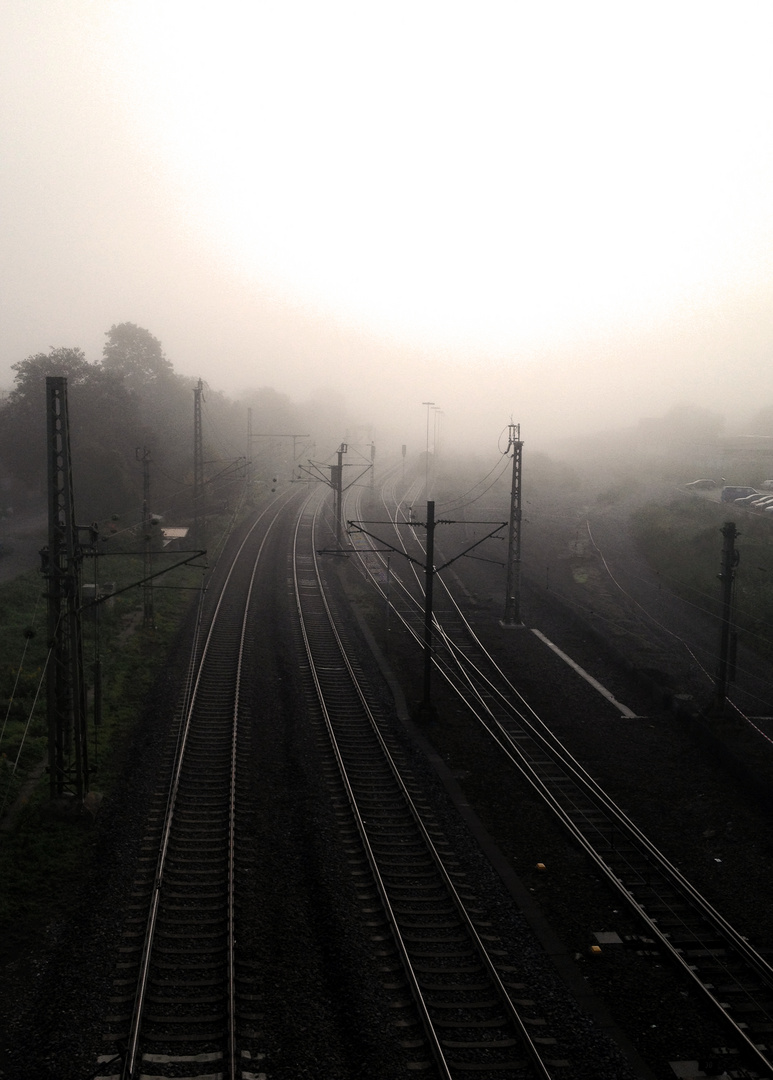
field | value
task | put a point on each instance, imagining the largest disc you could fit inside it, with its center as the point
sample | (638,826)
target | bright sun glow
(492,172)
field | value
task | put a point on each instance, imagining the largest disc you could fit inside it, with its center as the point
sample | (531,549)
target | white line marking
(588,678)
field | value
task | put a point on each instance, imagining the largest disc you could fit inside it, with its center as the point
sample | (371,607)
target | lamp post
(436,426)
(429,405)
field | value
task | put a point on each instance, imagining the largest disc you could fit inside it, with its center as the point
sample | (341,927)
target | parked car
(767,485)
(701,485)
(731,493)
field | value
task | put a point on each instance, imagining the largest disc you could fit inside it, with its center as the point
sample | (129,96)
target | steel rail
(193,684)
(464,667)
(626,827)
(437,1050)
(590,787)
(534,1054)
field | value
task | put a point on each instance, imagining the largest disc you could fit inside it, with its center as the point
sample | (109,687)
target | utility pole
(436,429)
(337,483)
(148,617)
(318,471)
(199,518)
(426,708)
(428,405)
(248,458)
(512,615)
(65,683)
(730,560)
(429,578)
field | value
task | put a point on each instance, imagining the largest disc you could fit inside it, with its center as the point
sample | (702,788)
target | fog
(554,214)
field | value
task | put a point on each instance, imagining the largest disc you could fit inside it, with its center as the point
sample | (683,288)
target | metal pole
(337,478)
(66,693)
(248,459)
(428,404)
(513,585)
(53,569)
(148,618)
(199,516)
(430,576)
(730,558)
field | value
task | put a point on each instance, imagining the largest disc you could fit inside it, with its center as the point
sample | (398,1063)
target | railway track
(187,998)
(458,995)
(676,921)
(184,1003)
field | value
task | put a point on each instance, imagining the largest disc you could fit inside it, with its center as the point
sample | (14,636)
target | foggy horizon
(555,217)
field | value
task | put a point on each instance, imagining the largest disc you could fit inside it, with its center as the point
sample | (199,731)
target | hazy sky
(559,212)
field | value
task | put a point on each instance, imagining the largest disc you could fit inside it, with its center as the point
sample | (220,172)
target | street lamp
(429,405)
(436,431)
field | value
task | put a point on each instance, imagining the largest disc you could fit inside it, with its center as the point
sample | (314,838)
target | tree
(134,353)
(30,379)
(104,427)
(23,426)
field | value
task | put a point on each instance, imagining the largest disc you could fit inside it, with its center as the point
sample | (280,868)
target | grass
(23,650)
(42,854)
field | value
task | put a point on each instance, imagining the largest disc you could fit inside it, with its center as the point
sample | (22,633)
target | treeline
(129,405)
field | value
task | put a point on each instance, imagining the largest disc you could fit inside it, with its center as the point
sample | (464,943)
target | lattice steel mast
(148,615)
(199,512)
(66,689)
(512,615)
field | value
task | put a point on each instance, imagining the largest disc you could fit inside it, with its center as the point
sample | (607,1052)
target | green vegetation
(45,851)
(126,410)
(131,400)
(23,650)
(42,854)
